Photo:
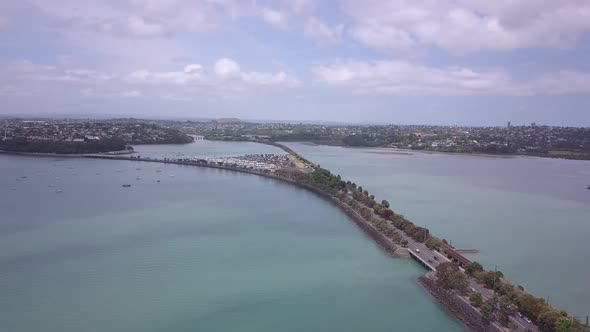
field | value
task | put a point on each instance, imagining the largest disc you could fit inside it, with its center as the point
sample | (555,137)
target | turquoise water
(529,216)
(205,250)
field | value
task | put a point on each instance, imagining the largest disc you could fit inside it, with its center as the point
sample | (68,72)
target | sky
(464,62)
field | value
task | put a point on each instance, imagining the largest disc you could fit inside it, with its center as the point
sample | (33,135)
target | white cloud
(227,68)
(406,78)
(192,69)
(131,94)
(316,29)
(173,97)
(138,26)
(93,92)
(226,73)
(466,26)
(273,17)
(300,7)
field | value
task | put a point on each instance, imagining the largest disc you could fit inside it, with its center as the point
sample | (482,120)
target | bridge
(422,260)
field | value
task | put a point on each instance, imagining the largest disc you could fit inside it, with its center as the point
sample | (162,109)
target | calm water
(529,216)
(202,148)
(205,250)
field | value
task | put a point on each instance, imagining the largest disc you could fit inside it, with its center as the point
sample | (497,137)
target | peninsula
(83,136)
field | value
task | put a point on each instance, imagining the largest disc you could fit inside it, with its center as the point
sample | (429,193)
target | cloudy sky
(475,62)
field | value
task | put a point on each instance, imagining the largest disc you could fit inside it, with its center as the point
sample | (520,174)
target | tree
(385,204)
(432,243)
(372,196)
(505,308)
(488,308)
(473,267)
(366,192)
(361,188)
(476,299)
(564,324)
(450,277)
(530,305)
(547,321)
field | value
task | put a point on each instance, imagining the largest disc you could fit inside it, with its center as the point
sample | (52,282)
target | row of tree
(508,299)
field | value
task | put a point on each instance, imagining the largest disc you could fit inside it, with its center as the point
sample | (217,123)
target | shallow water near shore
(203,249)
(529,216)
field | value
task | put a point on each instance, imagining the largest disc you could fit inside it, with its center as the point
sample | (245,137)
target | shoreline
(380,239)
(401,151)
(67,155)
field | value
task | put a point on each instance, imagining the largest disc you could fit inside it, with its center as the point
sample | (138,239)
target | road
(428,255)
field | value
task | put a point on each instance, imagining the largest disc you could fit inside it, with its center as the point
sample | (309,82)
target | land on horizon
(43,135)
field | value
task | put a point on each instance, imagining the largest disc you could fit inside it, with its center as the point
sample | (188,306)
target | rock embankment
(462,310)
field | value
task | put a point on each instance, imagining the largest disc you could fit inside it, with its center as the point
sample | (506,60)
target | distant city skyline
(475,63)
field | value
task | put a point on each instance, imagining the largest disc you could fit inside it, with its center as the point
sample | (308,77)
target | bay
(203,249)
(528,216)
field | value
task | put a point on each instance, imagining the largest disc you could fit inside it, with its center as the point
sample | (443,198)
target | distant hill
(228,120)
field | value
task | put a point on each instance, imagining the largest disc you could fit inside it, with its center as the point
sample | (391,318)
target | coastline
(66,155)
(401,151)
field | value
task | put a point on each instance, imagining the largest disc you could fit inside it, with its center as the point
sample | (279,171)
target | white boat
(59,191)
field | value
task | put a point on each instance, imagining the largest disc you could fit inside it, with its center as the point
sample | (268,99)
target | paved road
(429,255)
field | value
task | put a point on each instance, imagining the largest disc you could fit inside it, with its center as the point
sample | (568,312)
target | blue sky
(470,62)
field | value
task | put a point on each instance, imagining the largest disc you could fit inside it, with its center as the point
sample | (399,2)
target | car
(519,314)
(526,319)
(430,261)
(472,289)
(435,258)
(417,250)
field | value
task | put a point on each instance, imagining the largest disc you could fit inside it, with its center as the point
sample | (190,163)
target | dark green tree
(476,299)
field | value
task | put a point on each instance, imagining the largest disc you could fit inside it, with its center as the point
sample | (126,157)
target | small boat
(171,175)
(13,188)
(138,178)
(59,191)
(50,185)
(588,187)
(23,177)
(126,185)
(18,179)
(158,181)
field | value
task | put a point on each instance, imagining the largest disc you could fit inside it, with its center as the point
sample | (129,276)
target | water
(205,148)
(529,216)
(205,250)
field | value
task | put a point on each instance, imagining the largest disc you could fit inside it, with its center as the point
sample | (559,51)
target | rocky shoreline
(456,305)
